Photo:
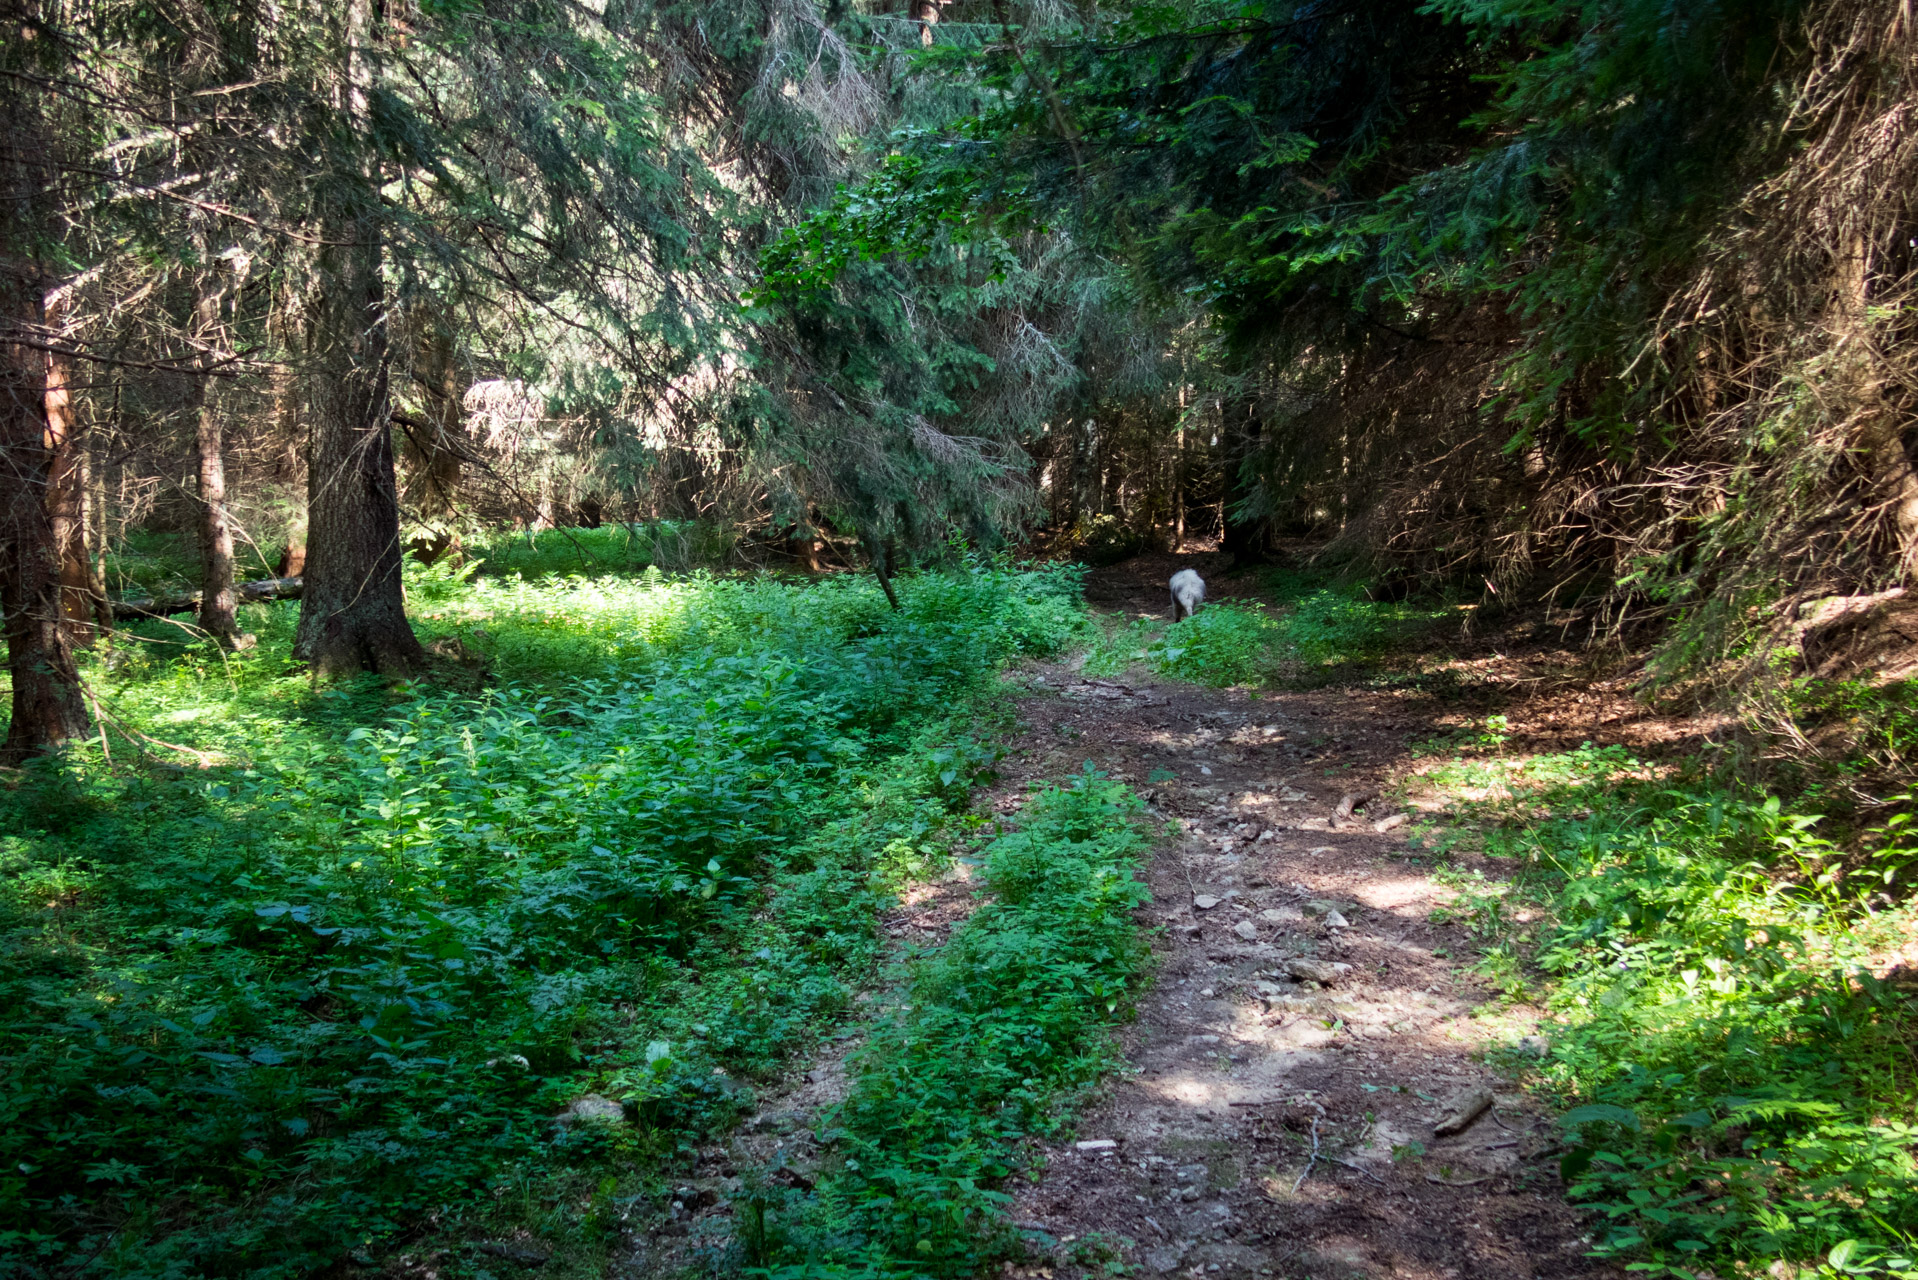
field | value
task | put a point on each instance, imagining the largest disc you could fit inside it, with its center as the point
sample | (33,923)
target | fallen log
(263,589)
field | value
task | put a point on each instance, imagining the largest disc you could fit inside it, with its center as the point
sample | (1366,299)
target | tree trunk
(433,455)
(1243,537)
(66,485)
(216,535)
(94,518)
(878,553)
(48,708)
(926,14)
(1178,482)
(291,468)
(353,609)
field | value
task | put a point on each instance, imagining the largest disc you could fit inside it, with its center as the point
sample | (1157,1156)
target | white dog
(1188,593)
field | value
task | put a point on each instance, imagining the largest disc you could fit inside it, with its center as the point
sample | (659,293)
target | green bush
(1222,644)
(1105,539)
(674,546)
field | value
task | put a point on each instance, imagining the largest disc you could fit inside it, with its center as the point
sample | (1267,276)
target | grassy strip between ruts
(1000,1028)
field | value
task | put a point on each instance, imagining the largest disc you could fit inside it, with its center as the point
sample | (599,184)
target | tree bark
(48,708)
(927,13)
(1242,537)
(433,455)
(217,603)
(94,534)
(1178,481)
(66,484)
(353,609)
(878,553)
(292,468)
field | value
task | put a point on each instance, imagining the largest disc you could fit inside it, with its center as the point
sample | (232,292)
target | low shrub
(1222,644)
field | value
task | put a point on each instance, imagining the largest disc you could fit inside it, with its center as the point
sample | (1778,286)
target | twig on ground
(1307,1171)
(1358,1168)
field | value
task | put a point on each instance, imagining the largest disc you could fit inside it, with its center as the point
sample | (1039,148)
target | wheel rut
(1305,1093)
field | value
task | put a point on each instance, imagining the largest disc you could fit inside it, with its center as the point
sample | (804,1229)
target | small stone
(1207,772)
(1316,971)
(1334,920)
(1320,907)
(1164,1258)
(1207,994)
(1464,1109)
(1282,915)
(1265,988)
(1205,902)
(598,1108)
(777,1122)
(1092,1146)
(1247,930)
(1535,1046)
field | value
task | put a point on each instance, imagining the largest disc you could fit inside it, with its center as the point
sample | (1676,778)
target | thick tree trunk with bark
(48,708)
(352,610)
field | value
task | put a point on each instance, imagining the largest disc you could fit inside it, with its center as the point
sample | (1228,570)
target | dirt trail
(1202,1159)
(1198,1160)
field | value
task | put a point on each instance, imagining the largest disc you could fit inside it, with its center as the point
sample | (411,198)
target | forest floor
(1312,1084)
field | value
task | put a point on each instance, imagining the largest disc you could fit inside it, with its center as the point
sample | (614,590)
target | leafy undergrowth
(1312,630)
(1741,1090)
(148,562)
(999,1028)
(671,545)
(332,989)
